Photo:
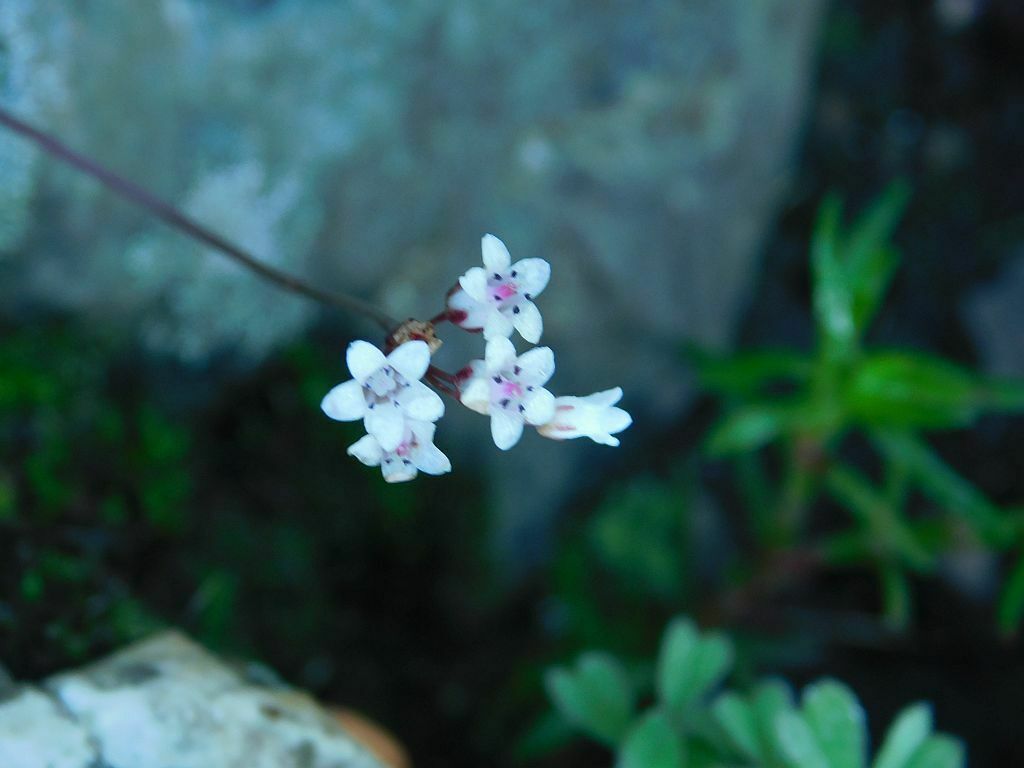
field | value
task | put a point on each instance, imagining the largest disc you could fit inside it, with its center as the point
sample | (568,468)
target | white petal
(500,355)
(497,325)
(428,458)
(410,359)
(474,313)
(615,420)
(496,256)
(476,395)
(474,283)
(536,366)
(420,402)
(532,275)
(528,322)
(397,471)
(539,407)
(386,423)
(603,439)
(346,402)
(506,429)
(607,397)
(423,431)
(367,450)
(363,360)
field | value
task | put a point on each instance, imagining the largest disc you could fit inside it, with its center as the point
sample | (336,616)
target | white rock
(166,702)
(34,732)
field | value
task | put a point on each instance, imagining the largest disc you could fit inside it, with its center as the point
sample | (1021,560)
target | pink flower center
(505,291)
(511,389)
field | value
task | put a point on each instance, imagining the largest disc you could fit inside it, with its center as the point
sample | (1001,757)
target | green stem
(872,510)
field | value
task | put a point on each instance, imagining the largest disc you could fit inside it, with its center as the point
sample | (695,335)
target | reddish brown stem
(180,221)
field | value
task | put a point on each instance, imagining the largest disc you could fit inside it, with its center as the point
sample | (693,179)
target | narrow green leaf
(869,255)
(1011,601)
(750,427)
(892,534)
(900,389)
(652,743)
(833,300)
(799,746)
(939,751)
(837,720)
(943,485)
(874,228)
(870,284)
(736,719)
(905,736)
(595,696)
(748,373)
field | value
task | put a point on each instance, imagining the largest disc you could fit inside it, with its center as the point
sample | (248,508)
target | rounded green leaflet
(595,696)
(652,743)
(837,720)
(735,718)
(905,736)
(796,739)
(939,751)
(690,665)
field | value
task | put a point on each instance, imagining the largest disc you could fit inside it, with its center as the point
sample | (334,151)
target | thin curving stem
(183,223)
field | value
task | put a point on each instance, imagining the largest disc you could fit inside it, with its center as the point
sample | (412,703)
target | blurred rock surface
(166,701)
(640,148)
(994,314)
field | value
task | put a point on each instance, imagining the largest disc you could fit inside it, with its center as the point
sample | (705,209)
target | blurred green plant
(799,411)
(827,453)
(692,722)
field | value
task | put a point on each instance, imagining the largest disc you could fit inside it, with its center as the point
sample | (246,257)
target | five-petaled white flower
(510,389)
(496,298)
(414,453)
(385,391)
(593,416)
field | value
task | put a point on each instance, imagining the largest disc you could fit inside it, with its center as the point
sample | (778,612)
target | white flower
(510,389)
(496,298)
(384,391)
(593,416)
(414,453)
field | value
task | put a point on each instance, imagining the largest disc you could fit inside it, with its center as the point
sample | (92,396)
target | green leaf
(749,427)
(769,700)
(595,696)
(941,484)
(939,751)
(736,719)
(1011,601)
(690,665)
(652,743)
(837,721)
(799,746)
(899,389)
(905,736)
(833,299)
(870,258)
(891,533)
(896,597)
(871,285)
(639,534)
(748,373)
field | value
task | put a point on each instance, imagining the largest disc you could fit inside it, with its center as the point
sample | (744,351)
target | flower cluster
(399,411)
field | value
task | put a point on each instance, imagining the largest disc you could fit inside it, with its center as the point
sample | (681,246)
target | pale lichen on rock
(165,702)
